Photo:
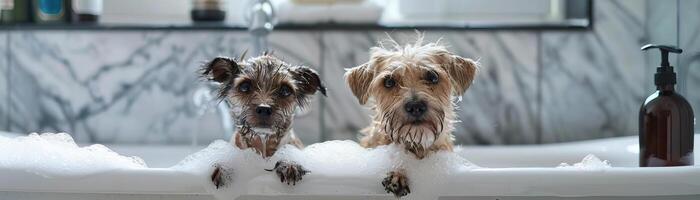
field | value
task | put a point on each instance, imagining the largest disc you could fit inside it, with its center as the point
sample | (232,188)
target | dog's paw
(289,172)
(396,183)
(221,176)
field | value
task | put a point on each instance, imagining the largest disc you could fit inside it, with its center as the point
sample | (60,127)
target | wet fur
(266,75)
(408,66)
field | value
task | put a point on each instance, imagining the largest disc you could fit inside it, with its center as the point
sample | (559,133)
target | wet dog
(411,90)
(263,93)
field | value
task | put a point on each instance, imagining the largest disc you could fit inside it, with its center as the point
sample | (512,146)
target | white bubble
(56,154)
(327,159)
(356,169)
(590,162)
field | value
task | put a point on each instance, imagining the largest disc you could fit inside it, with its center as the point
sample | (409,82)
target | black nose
(263,111)
(415,108)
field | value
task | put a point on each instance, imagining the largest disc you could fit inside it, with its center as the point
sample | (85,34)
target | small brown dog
(413,88)
(264,93)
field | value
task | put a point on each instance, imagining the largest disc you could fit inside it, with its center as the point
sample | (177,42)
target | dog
(411,90)
(263,93)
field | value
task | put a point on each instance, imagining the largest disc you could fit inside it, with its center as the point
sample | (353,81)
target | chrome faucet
(261,21)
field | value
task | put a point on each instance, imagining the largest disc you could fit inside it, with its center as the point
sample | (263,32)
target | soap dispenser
(665,119)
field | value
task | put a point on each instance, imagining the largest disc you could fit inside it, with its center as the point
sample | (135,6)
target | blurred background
(123,71)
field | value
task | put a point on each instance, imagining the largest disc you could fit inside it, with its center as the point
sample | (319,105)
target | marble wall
(4,85)
(113,87)
(689,62)
(594,82)
(534,86)
(128,86)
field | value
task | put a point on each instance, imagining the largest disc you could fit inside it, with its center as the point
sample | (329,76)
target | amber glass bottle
(665,120)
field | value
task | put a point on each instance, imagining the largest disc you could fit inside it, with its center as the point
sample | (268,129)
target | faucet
(261,20)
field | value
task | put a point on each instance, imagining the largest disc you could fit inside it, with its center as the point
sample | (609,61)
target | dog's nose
(263,111)
(415,108)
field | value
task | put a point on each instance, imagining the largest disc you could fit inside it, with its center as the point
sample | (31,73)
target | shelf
(326,26)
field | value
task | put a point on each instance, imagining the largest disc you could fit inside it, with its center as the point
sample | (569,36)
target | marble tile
(343,115)
(593,82)
(689,65)
(116,86)
(506,83)
(133,87)
(4,83)
(502,106)
(662,28)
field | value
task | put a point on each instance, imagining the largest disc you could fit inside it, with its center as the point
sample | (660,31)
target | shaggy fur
(263,93)
(399,75)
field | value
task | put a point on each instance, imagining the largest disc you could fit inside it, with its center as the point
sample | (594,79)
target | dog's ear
(220,69)
(308,81)
(461,71)
(359,79)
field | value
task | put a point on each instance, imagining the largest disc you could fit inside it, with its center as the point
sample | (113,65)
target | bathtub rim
(150,181)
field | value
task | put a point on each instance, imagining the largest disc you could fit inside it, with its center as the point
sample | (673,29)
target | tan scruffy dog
(263,93)
(413,88)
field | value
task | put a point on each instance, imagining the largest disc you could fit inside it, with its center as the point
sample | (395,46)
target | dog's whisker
(420,139)
(413,135)
(419,136)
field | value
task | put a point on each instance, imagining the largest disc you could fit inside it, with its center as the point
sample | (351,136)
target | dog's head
(413,88)
(263,91)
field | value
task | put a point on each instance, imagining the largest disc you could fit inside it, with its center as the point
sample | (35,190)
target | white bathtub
(513,172)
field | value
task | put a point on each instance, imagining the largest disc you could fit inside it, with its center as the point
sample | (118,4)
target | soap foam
(427,177)
(240,166)
(590,162)
(56,154)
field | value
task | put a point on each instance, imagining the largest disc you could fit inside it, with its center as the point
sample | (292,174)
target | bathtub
(510,172)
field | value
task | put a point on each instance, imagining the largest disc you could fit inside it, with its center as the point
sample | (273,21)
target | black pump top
(664,73)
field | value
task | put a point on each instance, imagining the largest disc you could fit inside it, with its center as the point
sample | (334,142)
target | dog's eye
(284,91)
(244,87)
(432,77)
(389,82)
